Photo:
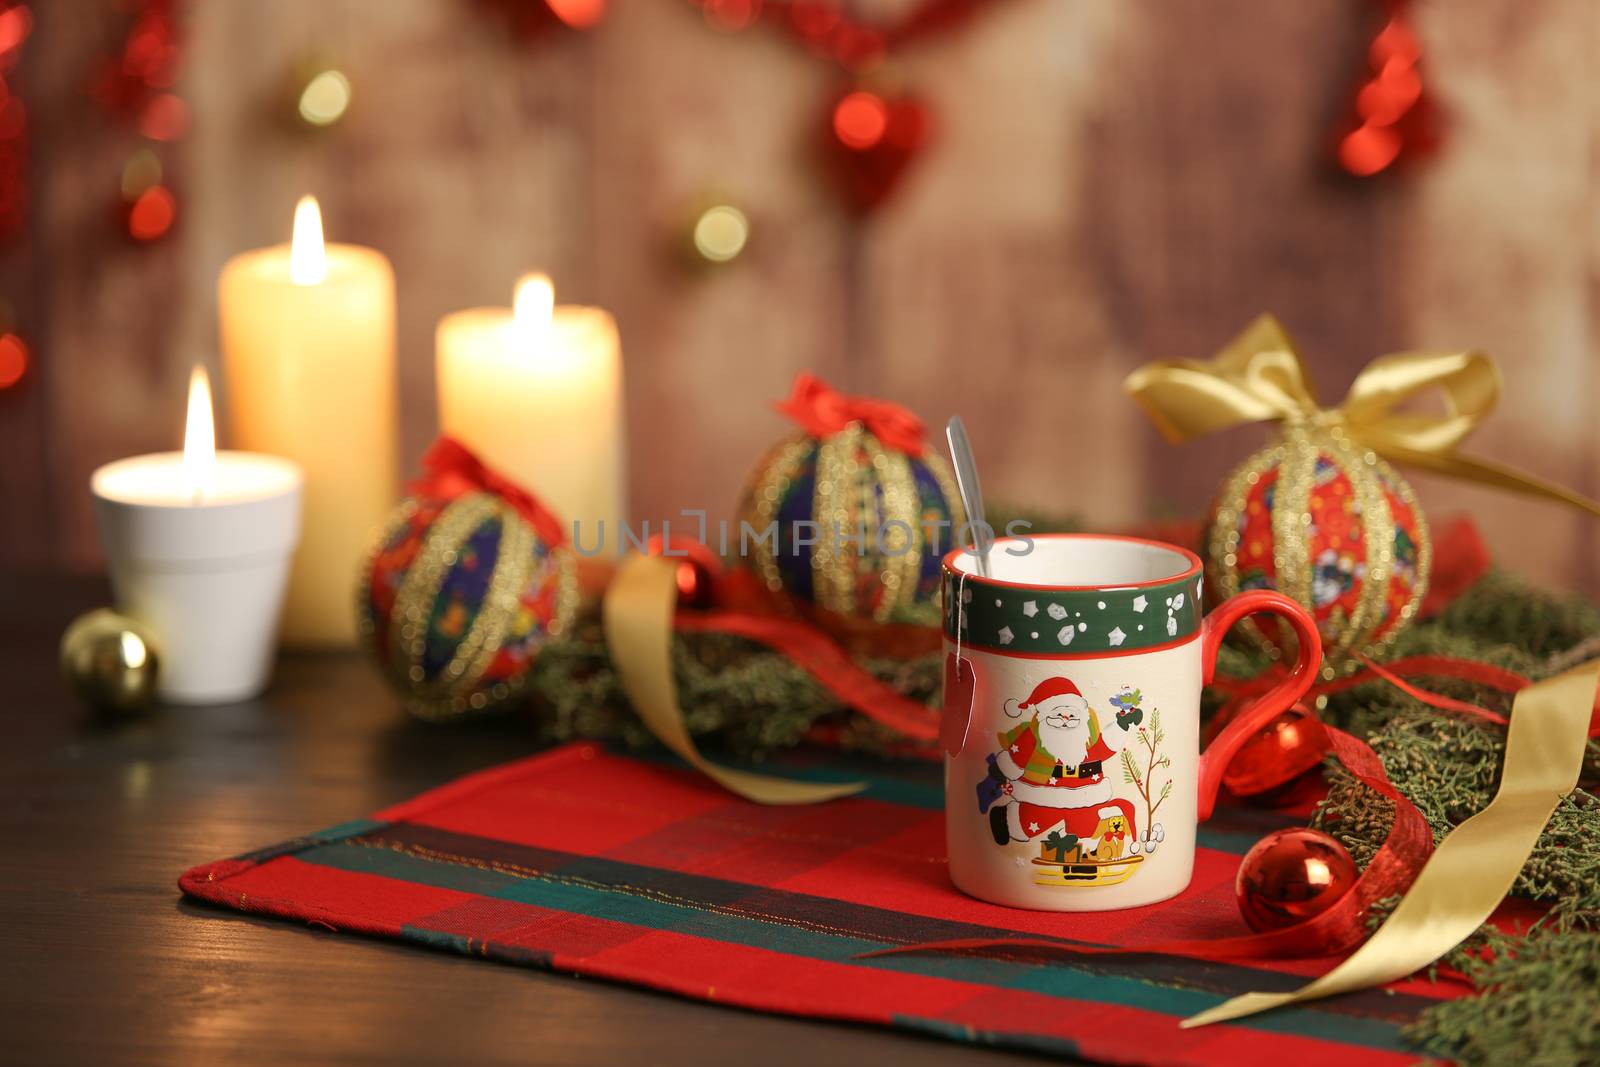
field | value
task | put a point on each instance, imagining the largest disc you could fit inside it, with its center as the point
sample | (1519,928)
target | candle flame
(533,307)
(199,438)
(308,260)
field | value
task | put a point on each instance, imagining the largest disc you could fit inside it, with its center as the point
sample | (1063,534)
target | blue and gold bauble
(846,521)
(465,587)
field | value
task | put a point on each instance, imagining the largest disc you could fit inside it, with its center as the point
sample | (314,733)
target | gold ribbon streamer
(1474,866)
(1259,377)
(638,610)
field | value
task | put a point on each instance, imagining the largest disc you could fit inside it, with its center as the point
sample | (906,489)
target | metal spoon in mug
(971,491)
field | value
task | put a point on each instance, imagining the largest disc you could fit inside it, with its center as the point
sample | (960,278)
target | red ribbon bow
(450,469)
(820,410)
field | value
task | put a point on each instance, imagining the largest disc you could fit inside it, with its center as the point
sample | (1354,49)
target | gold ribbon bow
(1259,377)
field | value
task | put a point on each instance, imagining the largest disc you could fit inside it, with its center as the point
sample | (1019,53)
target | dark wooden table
(104,963)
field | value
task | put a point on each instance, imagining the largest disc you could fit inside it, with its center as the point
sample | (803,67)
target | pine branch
(1130,772)
(1166,791)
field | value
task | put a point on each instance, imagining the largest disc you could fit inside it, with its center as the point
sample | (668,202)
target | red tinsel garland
(137,86)
(1392,118)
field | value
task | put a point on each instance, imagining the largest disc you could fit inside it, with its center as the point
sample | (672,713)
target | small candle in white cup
(199,544)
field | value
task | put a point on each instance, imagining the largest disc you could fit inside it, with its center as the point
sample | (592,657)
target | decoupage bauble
(110,661)
(1290,876)
(849,520)
(458,598)
(1330,524)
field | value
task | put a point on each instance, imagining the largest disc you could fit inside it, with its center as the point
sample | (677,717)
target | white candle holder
(206,574)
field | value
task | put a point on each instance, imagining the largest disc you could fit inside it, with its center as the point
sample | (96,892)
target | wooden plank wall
(1111,182)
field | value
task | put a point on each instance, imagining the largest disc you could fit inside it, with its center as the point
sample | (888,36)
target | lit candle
(308,336)
(198,544)
(536,391)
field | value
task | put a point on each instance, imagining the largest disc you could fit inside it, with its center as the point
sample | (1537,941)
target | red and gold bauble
(1327,522)
(459,596)
(1290,876)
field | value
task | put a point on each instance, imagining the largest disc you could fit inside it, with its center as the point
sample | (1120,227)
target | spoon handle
(971,492)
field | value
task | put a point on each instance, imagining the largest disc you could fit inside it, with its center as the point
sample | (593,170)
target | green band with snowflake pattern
(1040,621)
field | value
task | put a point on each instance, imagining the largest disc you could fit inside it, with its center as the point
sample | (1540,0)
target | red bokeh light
(1394,120)
(1395,44)
(732,14)
(152,214)
(1385,100)
(860,119)
(858,48)
(14,26)
(579,14)
(13,360)
(1368,149)
(814,19)
(165,118)
(13,119)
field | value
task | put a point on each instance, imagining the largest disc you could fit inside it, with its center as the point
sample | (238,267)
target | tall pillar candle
(536,391)
(308,344)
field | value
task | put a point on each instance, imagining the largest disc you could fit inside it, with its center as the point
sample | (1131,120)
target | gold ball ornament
(1329,523)
(110,662)
(457,600)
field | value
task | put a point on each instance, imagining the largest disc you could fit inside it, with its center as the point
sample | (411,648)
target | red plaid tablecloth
(584,861)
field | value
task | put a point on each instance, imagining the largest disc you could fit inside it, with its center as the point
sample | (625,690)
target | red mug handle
(1274,702)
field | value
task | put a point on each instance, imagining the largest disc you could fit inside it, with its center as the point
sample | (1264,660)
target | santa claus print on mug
(1052,781)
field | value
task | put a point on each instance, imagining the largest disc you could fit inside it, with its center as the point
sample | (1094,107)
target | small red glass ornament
(871,139)
(698,568)
(1280,752)
(1290,876)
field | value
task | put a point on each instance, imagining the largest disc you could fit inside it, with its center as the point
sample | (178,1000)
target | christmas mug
(1074,779)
